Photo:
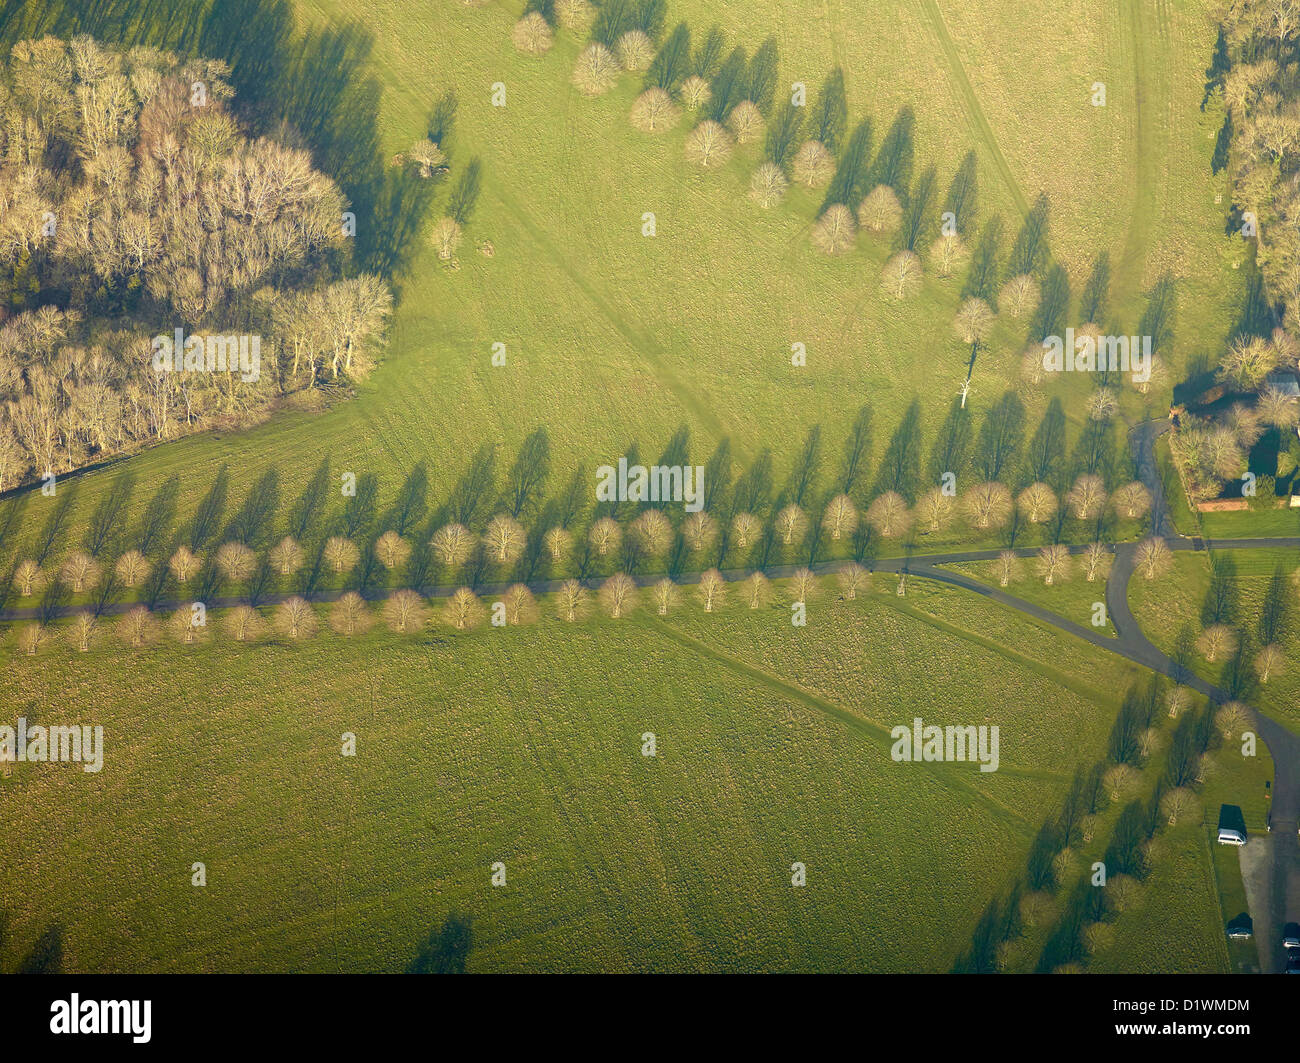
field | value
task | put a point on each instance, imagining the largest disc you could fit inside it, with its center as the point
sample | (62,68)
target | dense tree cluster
(131,205)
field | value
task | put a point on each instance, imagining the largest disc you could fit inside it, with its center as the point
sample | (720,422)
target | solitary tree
(575,15)
(880,213)
(745,122)
(948,254)
(768,185)
(1019,296)
(559,544)
(700,531)
(934,510)
(1131,501)
(184,627)
(137,627)
(532,34)
(813,165)
(521,606)
(1121,781)
(84,627)
(1096,561)
(853,578)
(665,596)
(654,111)
(28,576)
(605,535)
(296,618)
(1179,805)
(1103,404)
(1231,718)
(636,51)
(1087,498)
(596,70)
(1008,566)
(758,589)
(745,530)
(802,585)
(32,637)
(652,532)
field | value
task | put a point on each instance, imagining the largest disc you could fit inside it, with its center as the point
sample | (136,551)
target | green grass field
(523,745)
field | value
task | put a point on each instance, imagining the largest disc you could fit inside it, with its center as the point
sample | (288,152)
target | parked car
(1291,937)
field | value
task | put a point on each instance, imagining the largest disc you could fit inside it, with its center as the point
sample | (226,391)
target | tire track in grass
(979,121)
(873,732)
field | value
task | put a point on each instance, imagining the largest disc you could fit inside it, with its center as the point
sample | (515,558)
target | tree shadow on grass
(446,950)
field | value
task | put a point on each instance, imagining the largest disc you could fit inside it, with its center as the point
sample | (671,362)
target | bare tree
(1178,699)
(803,584)
(185,627)
(974,321)
(654,111)
(1008,566)
(880,212)
(451,545)
(31,637)
(575,15)
(28,576)
(948,254)
(618,593)
(746,122)
(559,544)
(521,607)
(709,145)
(296,619)
(596,70)
(183,565)
(934,510)
(1216,639)
(286,556)
(1019,296)
(695,92)
(243,623)
(605,535)
(341,553)
(835,230)
(505,538)
(392,550)
(1278,409)
(713,589)
(137,627)
(1131,501)
(791,524)
(1121,781)
(573,600)
(745,530)
(888,514)
(404,612)
(1180,804)
(1231,718)
(1153,557)
(350,615)
(1037,502)
(132,568)
(464,610)
(1096,561)
(813,165)
(853,578)
(446,237)
(1270,661)
(84,628)
(1103,404)
(987,505)
(841,517)
(532,34)
(636,51)
(700,532)
(665,596)
(236,562)
(1087,498)
(901,276)
(1054,563)
(758,589)
(652,532)
(768,185)
(80,571)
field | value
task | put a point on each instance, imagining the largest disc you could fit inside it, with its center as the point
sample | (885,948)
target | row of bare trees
(407,612)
